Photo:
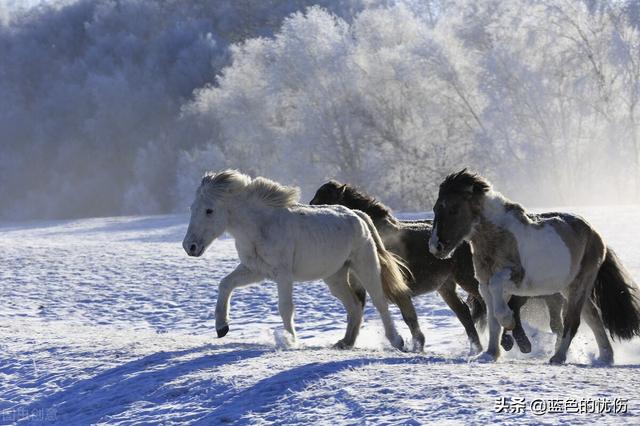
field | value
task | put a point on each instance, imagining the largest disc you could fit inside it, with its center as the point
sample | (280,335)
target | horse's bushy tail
(394,273)
(616,295)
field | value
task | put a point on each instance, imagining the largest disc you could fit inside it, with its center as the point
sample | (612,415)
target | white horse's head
(209,213)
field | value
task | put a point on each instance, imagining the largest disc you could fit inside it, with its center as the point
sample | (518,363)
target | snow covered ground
(108,321)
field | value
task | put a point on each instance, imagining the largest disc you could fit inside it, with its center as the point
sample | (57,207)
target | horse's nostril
(192,248)
(440,246)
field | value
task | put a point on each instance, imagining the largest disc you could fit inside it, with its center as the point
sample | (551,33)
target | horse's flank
(541,253)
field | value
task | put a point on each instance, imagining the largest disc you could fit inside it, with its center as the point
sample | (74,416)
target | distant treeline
(117,107)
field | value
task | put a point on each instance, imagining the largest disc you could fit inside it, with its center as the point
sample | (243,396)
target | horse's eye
(453,212)
(209,212)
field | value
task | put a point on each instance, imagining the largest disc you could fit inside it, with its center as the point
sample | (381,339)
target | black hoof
(523,344)
(556,360)
(341,344)
(604,361)
(399,344)
(506,342)
(223,331)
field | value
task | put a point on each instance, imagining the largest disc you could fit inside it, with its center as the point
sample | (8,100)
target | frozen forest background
(118,106)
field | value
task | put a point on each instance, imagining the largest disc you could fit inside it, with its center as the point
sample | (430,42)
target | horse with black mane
(517,252)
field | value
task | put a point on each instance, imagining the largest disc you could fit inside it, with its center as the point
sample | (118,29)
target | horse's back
(324,238)
(326,220)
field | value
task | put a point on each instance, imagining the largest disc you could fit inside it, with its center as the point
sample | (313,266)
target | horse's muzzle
(436,248)
(440,249)
(193,249)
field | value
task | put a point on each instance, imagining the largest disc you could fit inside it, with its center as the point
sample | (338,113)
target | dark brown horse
(407,239)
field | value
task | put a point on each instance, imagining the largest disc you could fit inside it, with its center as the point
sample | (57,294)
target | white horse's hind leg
(285,305)
(593,320)
(340,288)
(239,277)
(367,270)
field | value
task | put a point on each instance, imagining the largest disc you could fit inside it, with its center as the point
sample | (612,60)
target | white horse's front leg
(493,348)
(500,287)
(285,305)
(239,277)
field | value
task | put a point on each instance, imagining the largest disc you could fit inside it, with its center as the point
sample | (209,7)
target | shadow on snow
(113,391)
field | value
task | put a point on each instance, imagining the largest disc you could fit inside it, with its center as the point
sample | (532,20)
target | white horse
(281,240)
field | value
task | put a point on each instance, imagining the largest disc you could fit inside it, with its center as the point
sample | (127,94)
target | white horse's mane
(265,191)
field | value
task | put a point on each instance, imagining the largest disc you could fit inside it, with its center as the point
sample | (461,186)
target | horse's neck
(492,248)
(244,220)
(387,223)
(497,235)
(491,224)
(501,212)
(486,236)
(493,208)
(375,212)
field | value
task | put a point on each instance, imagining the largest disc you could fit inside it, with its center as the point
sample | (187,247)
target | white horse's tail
(394,272)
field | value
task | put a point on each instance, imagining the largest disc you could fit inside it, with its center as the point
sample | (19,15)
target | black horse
(407,239)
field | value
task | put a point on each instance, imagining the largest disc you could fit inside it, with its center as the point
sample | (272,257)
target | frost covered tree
(382,102)
(118,106)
